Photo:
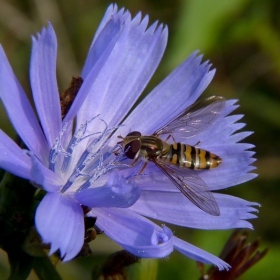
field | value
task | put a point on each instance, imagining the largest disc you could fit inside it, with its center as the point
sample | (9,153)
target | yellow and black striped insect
(180,161)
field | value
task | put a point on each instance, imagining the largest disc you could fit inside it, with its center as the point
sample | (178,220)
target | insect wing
(192,186)
(195,118)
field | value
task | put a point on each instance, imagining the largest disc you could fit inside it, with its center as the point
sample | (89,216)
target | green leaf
(16,213)
(20,263)
(199,26)
(45,269)
(268,111)
(143,270)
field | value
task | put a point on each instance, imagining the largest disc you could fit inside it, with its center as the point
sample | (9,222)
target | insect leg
(196,144)
(139,173)
(170,136)
(116,152)
(143,168)
(134,162)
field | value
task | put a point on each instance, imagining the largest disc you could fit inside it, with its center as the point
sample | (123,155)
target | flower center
(85,161)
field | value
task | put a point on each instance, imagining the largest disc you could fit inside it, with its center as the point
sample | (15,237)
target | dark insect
(178,161)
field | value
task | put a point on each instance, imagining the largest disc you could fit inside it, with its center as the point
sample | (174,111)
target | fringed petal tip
(188,81)
(59,222)
(43,83)
(135,55)
(139,20)
(174,208)
(198,254)
(49,30)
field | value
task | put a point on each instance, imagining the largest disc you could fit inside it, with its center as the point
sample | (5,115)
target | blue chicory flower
(81,168)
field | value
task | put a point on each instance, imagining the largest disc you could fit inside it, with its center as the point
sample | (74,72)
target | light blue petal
(60,222)
(97,57)
(134,233)
(236,137)
(198,254)
(174,94)
(20,111)
(12,158)
(126,72)
(236,163)
(175,208)
(109,29)
(44,84)
(234,170)
(110,12)
(117,192)
(43,176)
(221,131)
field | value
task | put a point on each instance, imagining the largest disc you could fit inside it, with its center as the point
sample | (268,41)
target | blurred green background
(242,40)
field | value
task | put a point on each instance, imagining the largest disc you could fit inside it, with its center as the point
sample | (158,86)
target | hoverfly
(178,161)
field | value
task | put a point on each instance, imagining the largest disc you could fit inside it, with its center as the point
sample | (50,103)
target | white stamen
(92,163)
(57,149)
(76,139)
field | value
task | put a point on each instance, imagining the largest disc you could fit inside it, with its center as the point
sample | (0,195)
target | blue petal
(175,208)
(44,84)
(178,91)
(13,158)
(134,233)
(97,57)
(20,111)
(110,12)
(234,168)
(126,72)
(118,192)
(60,222)
(109,29)
(221,131)
(198,254)
(43,176)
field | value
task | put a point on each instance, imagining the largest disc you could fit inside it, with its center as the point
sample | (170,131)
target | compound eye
(134,133)
(132,148)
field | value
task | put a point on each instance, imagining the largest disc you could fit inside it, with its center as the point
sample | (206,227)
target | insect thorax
(152,146)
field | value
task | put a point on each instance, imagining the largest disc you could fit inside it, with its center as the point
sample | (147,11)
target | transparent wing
(192,186)
(195,118)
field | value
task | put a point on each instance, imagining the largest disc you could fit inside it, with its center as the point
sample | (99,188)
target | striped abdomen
(190,157)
